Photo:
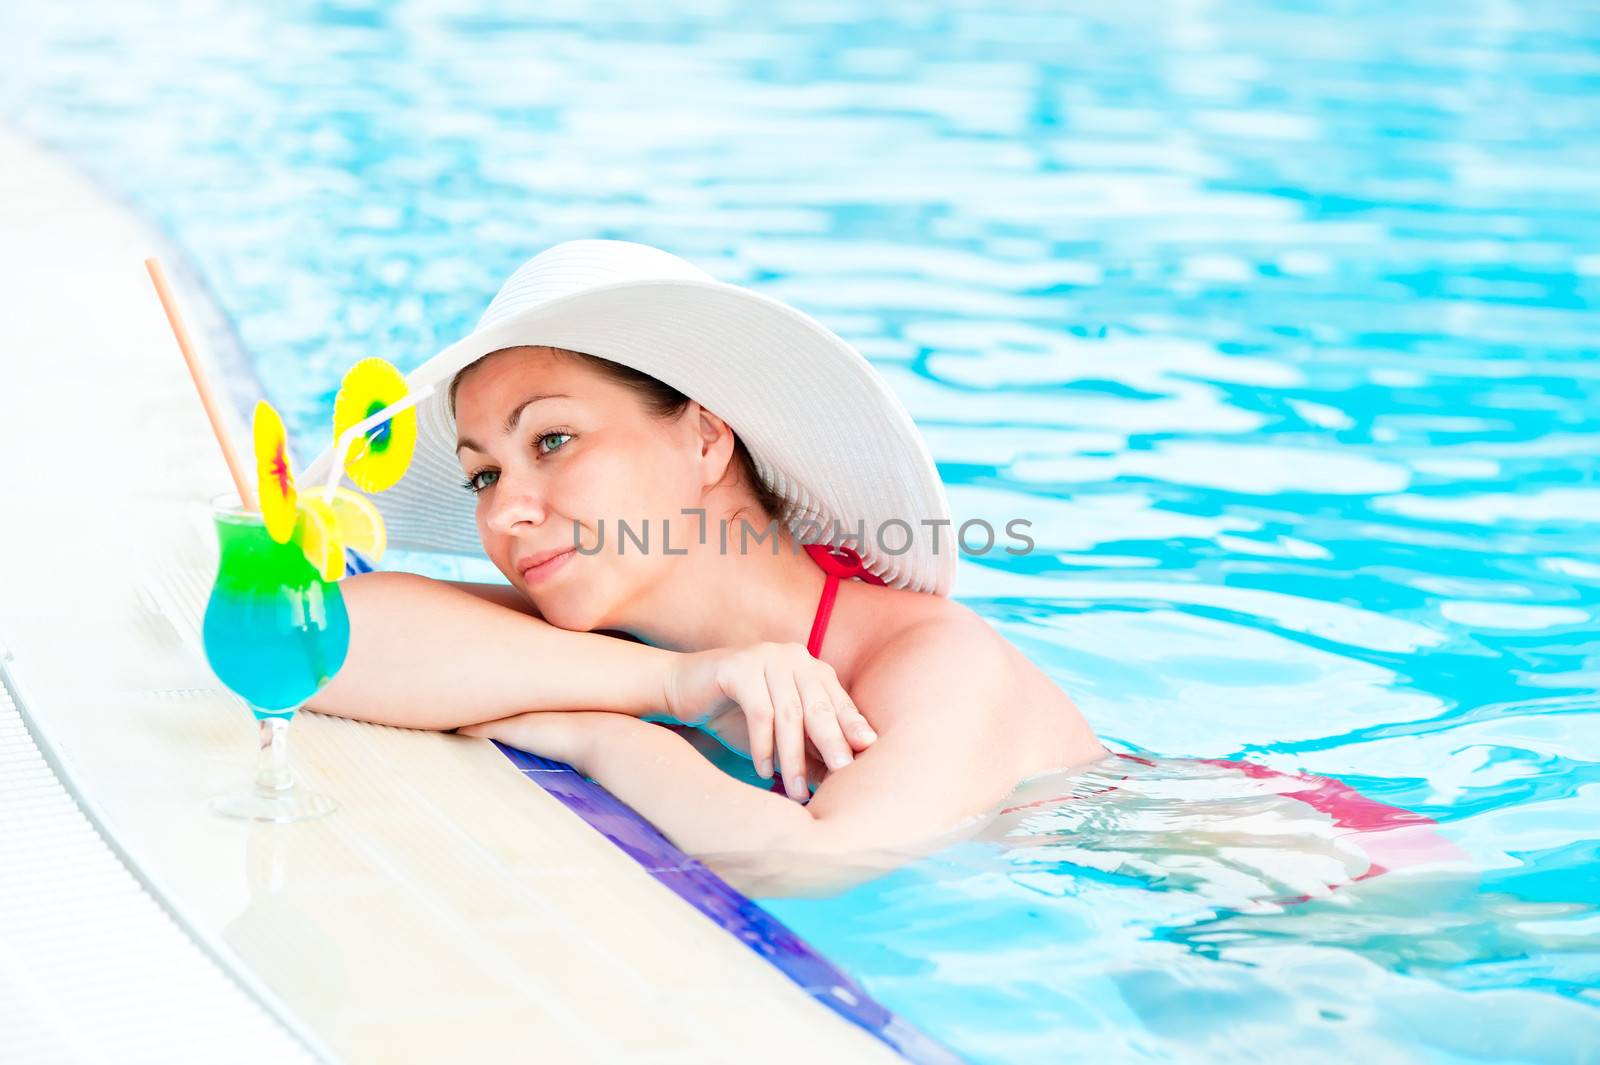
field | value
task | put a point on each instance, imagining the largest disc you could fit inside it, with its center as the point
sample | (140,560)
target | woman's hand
(781,696)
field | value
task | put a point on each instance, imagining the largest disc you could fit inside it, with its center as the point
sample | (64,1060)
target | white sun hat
(822,425)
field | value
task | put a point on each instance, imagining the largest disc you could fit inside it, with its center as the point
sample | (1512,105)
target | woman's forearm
(755,839)
(424,654)
(752,837)
(659,773)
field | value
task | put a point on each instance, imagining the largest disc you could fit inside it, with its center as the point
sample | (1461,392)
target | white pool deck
(451,911)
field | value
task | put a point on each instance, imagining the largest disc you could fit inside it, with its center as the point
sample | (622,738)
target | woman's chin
(573,616)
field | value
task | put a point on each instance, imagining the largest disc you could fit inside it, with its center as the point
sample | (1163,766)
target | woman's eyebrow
(511,419)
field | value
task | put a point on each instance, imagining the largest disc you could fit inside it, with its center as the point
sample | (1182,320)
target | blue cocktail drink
(275,632)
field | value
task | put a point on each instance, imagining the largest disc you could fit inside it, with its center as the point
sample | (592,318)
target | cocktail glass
(275,632)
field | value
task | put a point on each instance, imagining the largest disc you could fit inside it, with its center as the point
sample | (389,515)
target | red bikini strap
(838,563)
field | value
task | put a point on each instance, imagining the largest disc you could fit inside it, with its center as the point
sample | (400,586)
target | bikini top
(838,563)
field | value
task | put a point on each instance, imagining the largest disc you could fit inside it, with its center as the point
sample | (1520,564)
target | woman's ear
(716,445)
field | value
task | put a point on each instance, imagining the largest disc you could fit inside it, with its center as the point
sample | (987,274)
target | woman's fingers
(857,729)
(822,711)
(793,704)
(789,729)
(748,687)
(815,769)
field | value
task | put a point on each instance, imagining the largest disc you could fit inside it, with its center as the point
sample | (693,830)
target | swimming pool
(1277,320)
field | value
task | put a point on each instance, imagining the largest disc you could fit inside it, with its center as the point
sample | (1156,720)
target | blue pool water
(1278,320)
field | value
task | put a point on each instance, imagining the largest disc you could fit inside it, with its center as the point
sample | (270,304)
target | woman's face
(553,450)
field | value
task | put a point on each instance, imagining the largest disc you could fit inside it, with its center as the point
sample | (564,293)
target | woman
(597,400)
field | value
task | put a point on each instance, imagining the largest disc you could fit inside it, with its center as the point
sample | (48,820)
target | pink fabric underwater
(1391,837)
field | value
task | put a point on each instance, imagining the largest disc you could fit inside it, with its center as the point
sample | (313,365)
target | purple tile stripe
(712,896)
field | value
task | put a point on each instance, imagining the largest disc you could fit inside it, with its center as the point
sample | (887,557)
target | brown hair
(662,401)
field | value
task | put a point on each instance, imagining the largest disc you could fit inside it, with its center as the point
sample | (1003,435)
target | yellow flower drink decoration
(273,474)
(379,459)
(326,521)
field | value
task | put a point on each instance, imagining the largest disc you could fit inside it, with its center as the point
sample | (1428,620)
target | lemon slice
(359,524)
(319,537)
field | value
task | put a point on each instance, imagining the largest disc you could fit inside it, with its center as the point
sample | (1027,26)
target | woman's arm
(936,697)
(499,594)
(426,654)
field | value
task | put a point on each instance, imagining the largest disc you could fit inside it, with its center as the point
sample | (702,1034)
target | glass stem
(273,774)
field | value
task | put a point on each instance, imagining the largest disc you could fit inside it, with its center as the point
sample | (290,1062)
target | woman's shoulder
(929,645)
(905,624)
(945,665)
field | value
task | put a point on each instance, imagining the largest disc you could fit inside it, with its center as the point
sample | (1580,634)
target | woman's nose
(514,504)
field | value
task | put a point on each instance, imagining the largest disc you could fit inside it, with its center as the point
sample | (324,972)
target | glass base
(289,804)
(276,796)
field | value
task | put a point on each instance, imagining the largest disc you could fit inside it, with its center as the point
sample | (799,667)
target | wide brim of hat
(823,427)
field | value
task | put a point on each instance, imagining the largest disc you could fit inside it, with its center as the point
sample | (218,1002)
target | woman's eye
(475,482)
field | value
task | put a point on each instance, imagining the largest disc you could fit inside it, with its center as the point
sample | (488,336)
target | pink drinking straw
(202,384)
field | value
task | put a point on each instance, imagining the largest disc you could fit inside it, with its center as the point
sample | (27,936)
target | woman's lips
(539,572)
